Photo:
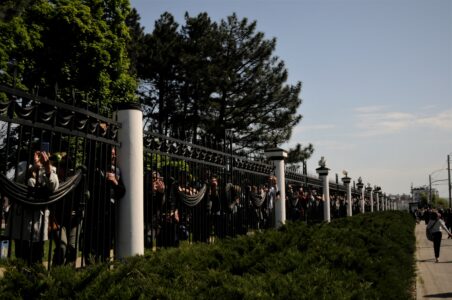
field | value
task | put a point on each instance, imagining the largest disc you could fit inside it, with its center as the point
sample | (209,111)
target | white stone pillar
(278,155)
(130,227)
(377,200)
(323,174)
(369,190)
(360,186)
(346,180)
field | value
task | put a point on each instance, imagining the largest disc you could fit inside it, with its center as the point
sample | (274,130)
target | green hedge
(364,257)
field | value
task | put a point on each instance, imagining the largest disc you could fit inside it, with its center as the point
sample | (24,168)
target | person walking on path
(433,279)
(434,225)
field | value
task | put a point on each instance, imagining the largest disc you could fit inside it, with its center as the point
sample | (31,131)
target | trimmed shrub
(367,256)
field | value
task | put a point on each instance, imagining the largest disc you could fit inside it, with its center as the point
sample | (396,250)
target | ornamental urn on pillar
(322,170)
(346,180)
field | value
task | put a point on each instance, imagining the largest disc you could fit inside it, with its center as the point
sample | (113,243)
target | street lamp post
(431,182)
(449,184)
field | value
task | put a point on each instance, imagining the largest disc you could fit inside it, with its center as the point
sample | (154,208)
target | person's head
(214,180)
(156,176)
(272,180)
(113,155)
(434,215)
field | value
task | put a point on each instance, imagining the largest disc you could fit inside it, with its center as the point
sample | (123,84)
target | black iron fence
(60,186)
(54,161)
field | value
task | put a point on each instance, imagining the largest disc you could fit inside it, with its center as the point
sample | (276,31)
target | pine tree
(206,78)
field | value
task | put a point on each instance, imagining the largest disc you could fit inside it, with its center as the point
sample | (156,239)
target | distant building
(402,201)
(418,192)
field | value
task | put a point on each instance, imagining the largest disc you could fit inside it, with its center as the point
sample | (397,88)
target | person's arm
(51,178)
(441,222)
(52,181)
(119,189)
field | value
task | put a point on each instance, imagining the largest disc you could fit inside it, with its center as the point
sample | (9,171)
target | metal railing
(192,192)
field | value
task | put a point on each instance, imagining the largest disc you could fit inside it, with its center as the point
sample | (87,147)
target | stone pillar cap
(275,153)
(346,179)
(322,170)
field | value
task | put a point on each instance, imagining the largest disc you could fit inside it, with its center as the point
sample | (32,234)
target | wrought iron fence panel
(64,221)
(207,193)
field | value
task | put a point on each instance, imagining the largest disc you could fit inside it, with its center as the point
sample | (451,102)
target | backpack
(429,233)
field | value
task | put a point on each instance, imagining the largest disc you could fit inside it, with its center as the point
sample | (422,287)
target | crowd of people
(81,220)
(177,206)
(225,209)
(181,208)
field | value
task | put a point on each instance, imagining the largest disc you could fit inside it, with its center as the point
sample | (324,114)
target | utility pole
(430,189)
(449,184)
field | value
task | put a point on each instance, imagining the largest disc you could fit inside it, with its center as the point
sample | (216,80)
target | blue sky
(376,74)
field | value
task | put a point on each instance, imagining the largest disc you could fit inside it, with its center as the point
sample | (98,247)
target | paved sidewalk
(434,280)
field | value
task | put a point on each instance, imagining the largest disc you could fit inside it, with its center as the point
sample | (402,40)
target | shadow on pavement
(443,295)
(426,260)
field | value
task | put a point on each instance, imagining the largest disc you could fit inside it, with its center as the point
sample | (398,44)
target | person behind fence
(153,206)
(256,196)
(269,213)
(435,224)
(28,226)
(66,217)
(294,209)
(201,225)
(216,208)
(235,217)
(168,235)
(106,189)
(316,205)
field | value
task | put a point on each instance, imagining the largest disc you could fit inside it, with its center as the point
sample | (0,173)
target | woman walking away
(435,225)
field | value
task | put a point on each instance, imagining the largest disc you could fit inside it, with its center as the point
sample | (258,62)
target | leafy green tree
(439,202)
(73,45)
(424,200)
(12,8)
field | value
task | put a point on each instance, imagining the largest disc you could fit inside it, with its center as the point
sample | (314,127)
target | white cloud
(369,109)
(442,120)
(380,122)
(373,121)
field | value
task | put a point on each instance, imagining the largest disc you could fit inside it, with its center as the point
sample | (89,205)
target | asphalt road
(434,280)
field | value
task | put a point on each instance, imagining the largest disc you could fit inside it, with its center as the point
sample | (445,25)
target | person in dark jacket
(106,189)
(66,217)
